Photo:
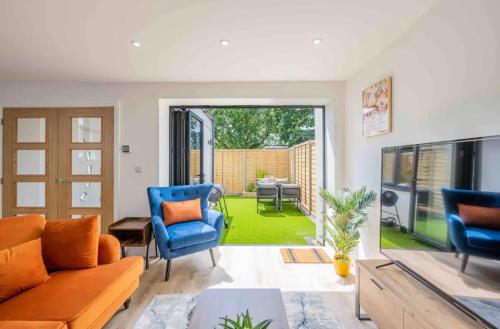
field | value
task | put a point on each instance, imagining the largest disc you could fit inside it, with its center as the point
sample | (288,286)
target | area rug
(305,310)
(305,256)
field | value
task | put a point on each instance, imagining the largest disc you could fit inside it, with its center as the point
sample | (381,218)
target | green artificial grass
(393,238)
(269,226)
(434,228)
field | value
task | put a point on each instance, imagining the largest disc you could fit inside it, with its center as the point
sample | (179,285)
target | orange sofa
(70,299)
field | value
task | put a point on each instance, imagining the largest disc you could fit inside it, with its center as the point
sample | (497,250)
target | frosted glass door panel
(86,130)
(30,194)
(31,130)
(30,162)
(86,195)
(86,162)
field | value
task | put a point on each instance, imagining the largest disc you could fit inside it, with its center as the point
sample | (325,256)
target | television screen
(440,218)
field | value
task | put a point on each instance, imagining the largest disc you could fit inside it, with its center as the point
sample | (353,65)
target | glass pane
(86,130)
(30,162)
(195,140)
(405,167)
(434,173)
(86,162)
(30,194)
(388,166)
(86,195)
(31,130)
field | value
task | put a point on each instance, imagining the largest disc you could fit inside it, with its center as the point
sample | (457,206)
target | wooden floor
(242,267)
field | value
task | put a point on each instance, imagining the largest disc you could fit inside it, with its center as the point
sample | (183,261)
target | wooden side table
(134,232)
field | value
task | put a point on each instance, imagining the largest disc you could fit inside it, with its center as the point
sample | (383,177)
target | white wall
(446,84)
(141,117)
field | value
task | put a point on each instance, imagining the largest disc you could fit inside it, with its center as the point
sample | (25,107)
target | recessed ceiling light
(136,44)
(224,43)
(317,41)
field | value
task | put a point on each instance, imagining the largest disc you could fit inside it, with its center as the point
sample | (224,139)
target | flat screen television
(440,220)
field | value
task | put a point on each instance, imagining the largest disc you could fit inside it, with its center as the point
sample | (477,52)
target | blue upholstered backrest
(475,198)
(178,193)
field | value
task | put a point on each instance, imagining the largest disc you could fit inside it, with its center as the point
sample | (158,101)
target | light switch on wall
(138,169)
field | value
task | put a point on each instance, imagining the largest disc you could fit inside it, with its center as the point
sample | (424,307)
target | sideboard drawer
(380,304)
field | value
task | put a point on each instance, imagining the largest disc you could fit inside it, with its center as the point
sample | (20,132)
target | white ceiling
(270,40)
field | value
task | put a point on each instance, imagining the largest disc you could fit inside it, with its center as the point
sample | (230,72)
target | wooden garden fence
(237,169)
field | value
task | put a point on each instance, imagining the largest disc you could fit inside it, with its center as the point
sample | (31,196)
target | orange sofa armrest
(109,249)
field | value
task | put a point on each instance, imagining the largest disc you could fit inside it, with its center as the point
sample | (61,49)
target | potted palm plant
(345,215)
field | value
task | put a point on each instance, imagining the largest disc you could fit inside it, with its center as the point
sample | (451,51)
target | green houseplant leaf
(243,321)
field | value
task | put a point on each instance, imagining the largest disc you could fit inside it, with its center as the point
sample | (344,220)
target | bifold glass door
(191,147)
(196,169)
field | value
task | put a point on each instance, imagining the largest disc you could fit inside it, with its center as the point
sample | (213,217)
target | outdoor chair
(267,191)
(217,196)
(289,192)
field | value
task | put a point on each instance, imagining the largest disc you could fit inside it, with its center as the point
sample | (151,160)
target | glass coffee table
(262,304)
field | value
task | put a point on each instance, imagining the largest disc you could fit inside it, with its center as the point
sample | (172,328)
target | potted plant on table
(344,217)
(243,321)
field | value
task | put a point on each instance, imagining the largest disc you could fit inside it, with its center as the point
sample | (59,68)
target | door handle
(60,180)
(377,284)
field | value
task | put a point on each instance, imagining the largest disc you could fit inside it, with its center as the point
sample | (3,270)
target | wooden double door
(58,162)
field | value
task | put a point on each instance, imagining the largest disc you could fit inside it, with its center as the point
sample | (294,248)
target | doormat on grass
(305,256)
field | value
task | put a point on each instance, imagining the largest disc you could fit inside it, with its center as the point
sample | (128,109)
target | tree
(250,128)
(294,125)
(240,128)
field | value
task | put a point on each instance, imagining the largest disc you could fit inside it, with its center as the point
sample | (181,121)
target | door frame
(116,156)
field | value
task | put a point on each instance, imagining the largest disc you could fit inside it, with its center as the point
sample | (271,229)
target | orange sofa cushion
(20,229)
(109,249)
(71,243)
(181,211)
(482,217)
(82,298)
(33,325)
(21,268)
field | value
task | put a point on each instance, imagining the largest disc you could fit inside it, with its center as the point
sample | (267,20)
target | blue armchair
(475,241)
(189,237)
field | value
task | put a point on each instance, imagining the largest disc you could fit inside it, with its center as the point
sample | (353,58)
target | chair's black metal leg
(457,254)
(464,263)
(167,271)
(147,255)
(156,242)
(222,211)
(213,257)
(225,206)
(122,248)
(156,248)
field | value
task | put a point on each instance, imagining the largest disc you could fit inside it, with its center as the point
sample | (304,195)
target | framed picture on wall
(377,108)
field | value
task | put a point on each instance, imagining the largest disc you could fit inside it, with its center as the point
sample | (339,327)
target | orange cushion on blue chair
(482,217)
(181,211)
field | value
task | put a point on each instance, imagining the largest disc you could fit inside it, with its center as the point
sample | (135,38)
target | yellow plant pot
(342,267)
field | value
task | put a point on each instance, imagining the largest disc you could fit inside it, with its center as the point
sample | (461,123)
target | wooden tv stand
(395,300)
